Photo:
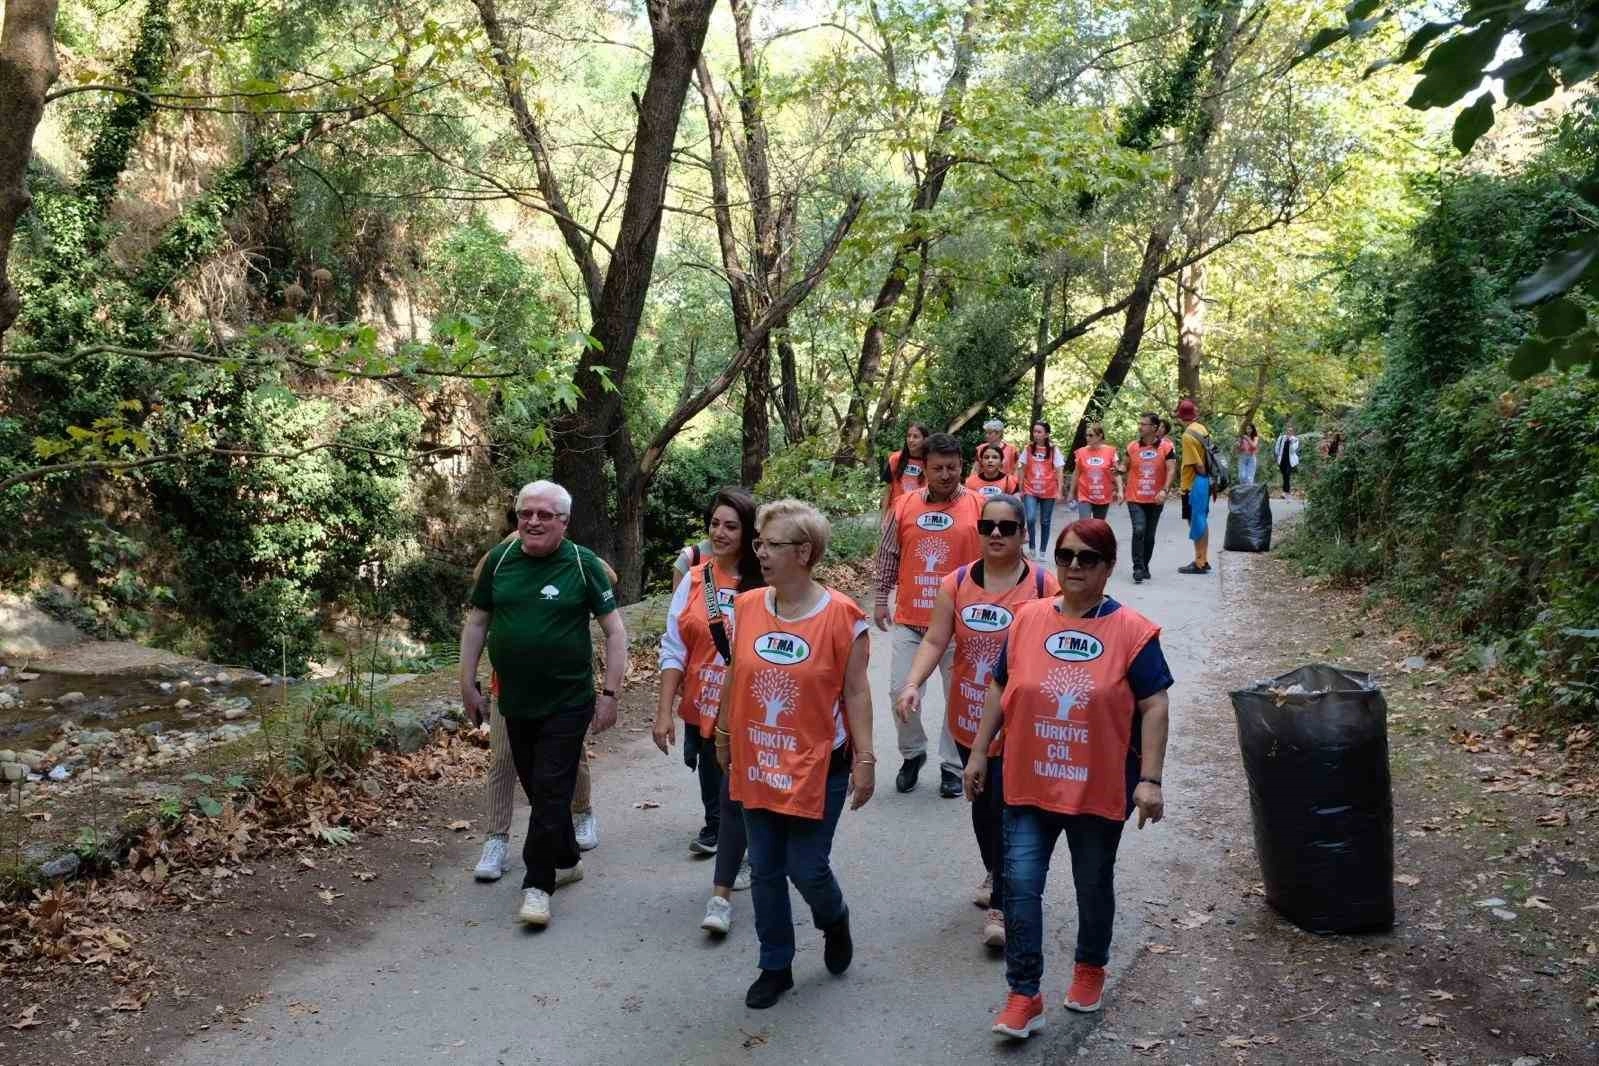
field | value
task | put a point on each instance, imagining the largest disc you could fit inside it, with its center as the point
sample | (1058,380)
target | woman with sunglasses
(1096,481)
(795,731)
(990,478)
(975,607)
(1080,689)
(693,664)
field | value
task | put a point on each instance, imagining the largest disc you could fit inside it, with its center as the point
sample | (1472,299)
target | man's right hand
(880,616)
(909,703)
(475,703)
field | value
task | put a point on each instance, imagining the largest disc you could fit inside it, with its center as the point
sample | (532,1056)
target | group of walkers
(1055,717)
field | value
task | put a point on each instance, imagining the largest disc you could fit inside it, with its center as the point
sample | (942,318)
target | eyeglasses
(538,516)
(1086,559)
(760,544)
(1007,527)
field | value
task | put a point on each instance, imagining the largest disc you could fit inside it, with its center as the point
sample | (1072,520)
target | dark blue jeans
(730,842)
(1145,518)
(783,848)
(700,754)
(1030,835)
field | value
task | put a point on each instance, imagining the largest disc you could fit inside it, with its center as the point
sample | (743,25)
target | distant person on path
(532,605)
(1151,468)
(906,469)
(694,651)
(1195,480)
(975,607)
(1080,688)
(990,478)
(1041,467)
(1096,480)
(1165,430)
(499,791)
(925,536)
(994,434)
(1248,453)
(795,730)
(1287,452)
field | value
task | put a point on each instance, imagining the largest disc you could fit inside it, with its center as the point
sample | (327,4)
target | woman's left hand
(863,778)
(1151,805)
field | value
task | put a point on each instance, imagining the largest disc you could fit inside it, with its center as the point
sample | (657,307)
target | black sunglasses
(1087,559)
(1008,527)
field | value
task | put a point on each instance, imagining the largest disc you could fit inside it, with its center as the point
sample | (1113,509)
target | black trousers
(1288,474)
(699,754)
(1145,519)
(546,752)
(731,842)
(988,817)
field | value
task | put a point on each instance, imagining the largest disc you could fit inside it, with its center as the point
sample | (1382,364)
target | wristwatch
(1150,781)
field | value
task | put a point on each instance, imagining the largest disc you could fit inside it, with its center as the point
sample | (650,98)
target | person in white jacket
(1287,451)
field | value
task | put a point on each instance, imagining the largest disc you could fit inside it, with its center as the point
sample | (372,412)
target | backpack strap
(694,555)
(1038,582)
(960,575)
(713,611)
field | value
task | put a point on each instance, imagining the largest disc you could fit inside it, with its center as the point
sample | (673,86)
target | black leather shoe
(838,948)
(1193,568)
(769,988)
(905,780)
(949,783)
(705,843)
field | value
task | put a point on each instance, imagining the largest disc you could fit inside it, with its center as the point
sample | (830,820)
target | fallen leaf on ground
(1555,819)
(1147,1045)
(1159,949)
(1431,1021)
(130,1001)
(1438,993)
(460,824)
(1408,880)
(28,1019)
(1193,920)
(364,875)
(646,805)
(1537,903)
(327,896)
(1236,1041)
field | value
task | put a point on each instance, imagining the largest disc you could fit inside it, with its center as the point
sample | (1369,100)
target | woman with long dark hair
(694,651)
(1248,452)
(905,471)
(1041,467)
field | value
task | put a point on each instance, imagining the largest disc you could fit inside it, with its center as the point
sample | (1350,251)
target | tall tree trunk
(1190,329)
(27,70)
(1043,339)
(757,430)
(790,403)
(913,245)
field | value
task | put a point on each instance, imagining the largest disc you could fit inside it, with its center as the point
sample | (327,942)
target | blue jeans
(1092,510)
(785,847)
(1038,511)
(1246,469)
(1030,835)
(1199,508)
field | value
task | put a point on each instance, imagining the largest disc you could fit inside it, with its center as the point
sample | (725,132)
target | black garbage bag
(1249,519)
(1315,748)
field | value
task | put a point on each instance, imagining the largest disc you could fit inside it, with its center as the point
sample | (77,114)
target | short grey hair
(563,499)
(994,423)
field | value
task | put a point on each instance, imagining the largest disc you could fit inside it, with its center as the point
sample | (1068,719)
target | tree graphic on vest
(931,552)
(776,691)
(1071,686)
(982,653)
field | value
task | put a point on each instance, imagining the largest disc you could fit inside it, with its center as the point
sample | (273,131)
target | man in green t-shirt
(531,606)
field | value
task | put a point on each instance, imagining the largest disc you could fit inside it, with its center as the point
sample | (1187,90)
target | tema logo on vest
(725,597)
(1073,646)
(986,617)
(782,649)
(935,521)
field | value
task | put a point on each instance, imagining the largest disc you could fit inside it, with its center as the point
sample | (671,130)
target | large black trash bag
(1315,747)
(1249,519)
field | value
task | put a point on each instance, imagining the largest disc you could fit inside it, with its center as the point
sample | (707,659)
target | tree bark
(1190,329)
(27,70)
(913,243)
(1038,368)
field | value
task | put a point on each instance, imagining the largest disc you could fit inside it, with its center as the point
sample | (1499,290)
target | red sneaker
(1022,1017)
(1088,988)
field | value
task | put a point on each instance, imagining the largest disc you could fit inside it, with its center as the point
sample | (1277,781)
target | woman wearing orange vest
(1040,469)
(795,730)
(975,607)
(693,663)
(906,469)
(991,478)
(1096,479)
(1081,690)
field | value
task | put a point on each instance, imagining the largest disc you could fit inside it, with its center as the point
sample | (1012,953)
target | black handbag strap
(713,611)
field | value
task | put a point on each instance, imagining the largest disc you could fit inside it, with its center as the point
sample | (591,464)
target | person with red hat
(1195,483)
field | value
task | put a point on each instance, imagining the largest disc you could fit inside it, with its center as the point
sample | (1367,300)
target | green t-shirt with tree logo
(539,642)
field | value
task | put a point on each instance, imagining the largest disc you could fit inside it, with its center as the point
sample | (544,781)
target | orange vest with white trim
(786,705)
(985,489)
(1069,708)
(982,621)
(1096,473)
(934,538)
(1146,470)
(1040,475)
(703,668)
(912,480)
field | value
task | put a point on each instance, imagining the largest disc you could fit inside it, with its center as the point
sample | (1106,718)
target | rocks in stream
(232,708)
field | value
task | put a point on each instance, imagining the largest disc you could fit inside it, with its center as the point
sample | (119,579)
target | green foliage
(674,511)
(335,729)
(806,472)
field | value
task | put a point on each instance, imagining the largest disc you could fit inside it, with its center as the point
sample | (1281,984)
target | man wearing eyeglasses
(531,605)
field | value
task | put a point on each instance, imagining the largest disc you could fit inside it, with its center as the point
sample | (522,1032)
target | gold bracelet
(722,731)
(866,756)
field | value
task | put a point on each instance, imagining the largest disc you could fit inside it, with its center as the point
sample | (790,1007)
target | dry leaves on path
(28,1019)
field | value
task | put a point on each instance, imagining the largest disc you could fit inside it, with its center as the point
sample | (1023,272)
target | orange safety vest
(934,538)
(908,482)
(1004,483)
(703,667)
(1040,475)
(1069,708)
(1008,457)
(1146,470)
(1096,473)
(981,623)
(786,712)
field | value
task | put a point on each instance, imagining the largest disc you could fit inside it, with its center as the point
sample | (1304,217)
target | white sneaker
(718,916)
(535,907)
(568,875)
(491,864)
(741,882)
(587,828)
